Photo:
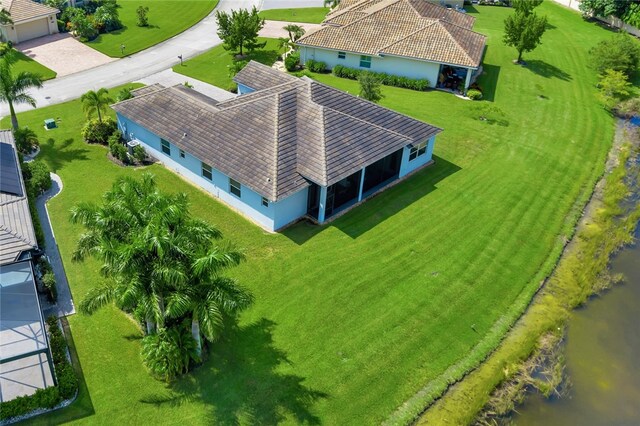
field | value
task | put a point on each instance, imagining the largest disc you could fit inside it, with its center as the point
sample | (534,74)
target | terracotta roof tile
(22,10)
(410,28)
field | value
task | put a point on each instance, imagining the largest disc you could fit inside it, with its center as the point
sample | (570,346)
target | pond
(602,356)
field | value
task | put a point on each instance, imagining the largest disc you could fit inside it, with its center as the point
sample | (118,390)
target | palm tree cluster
(163,266)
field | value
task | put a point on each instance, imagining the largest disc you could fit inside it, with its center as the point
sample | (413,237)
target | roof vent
(184,135)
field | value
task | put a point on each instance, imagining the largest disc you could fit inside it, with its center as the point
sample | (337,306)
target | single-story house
(285,149)
(30,20)
(25,359)
(411,38)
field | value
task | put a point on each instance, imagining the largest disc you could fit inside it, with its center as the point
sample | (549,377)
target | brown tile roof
(22,10)
(259,77)
(409,28)
(144,90)
(16,228)
(276,139)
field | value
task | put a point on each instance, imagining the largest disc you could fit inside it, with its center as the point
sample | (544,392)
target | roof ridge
(276,146)
(464,51)
(4,227)
(368,15)
(323,141)
(432,22)
(249,97)
(15,200)
(370,123)
(144,95)
(195,98)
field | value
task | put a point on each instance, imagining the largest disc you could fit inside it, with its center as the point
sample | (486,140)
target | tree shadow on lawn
(380,207)
(57,154)
(546,70)
(488,81)
(241,382)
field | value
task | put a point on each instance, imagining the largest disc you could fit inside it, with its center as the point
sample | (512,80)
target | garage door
(32,29)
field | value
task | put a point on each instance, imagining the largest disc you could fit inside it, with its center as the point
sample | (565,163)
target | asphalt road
(192,42)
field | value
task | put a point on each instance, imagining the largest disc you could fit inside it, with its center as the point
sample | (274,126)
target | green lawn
(311,15)
(25,63)
(408,290)
(166,19)
(212,66)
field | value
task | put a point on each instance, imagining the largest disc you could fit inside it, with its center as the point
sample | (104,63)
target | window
(206,171)
(418,150)
(265,202)
(181,153)
(166,147)
(365,61)
(342,55)
(234,187)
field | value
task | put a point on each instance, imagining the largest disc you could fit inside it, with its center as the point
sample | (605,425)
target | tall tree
(369,86)
(239,29)
(524,31)
(295,31)
(13,87)
(96,102)
(618,53)
(525,6)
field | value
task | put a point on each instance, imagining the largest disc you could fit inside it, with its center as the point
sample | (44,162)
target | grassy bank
(582,271)
(412,288)
(25,63)
(309,15)
(166,19)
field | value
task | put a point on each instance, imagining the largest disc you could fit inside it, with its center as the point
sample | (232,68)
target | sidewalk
(65,305)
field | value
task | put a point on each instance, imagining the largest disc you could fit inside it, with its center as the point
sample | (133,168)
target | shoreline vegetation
(530,358)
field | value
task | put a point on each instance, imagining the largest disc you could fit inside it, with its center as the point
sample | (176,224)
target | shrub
(124,94)
(106,17)
(619,53)
(4,48)
(614,87)
(99,131)
(384,78)
(26,140)
(236,67)
(139,153)
(169,352)
(84,27)
(117,149)
(62,26)
(370,87)
(143,19)
(37,177)
(474,94)
(292,61)
(49,282)
(316,66)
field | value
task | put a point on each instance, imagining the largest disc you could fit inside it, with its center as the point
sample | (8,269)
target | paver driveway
(63,54)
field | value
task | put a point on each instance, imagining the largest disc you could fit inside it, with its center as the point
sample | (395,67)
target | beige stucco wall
(9,31)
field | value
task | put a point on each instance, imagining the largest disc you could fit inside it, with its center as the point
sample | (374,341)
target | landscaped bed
(309,15)
(166,19)
(412,288)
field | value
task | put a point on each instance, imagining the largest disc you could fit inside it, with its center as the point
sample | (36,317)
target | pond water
(602,356)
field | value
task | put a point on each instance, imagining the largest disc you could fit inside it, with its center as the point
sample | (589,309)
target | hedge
(386,79)
(52,396)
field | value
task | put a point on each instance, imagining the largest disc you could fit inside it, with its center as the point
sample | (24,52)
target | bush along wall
(421,84)
(52,396)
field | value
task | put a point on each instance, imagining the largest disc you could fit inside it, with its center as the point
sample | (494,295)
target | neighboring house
(30,20)
(25,360)
(409,38)
(287,148)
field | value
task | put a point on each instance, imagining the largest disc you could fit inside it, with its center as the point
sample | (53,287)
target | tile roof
(258,77)
(276,139)
(410,28)
(22,10)
(16,228)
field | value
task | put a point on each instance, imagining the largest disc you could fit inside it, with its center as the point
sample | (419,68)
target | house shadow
(379,207)
(82,406)
(242,382)
(63,153)
(547,70)
(488,81)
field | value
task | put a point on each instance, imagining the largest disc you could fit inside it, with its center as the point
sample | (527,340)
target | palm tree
(5,17)
(295,31)
(331,3)
(96,102)
(13,87)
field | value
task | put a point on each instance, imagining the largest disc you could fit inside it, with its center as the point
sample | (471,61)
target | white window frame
(235,185)
(206,169)
(417,151)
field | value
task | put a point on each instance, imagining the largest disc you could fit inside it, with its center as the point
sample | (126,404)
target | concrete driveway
(273,29)
(63,54)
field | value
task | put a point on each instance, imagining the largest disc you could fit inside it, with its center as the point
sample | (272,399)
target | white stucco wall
(405,67)
(407,166)
(9,31)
